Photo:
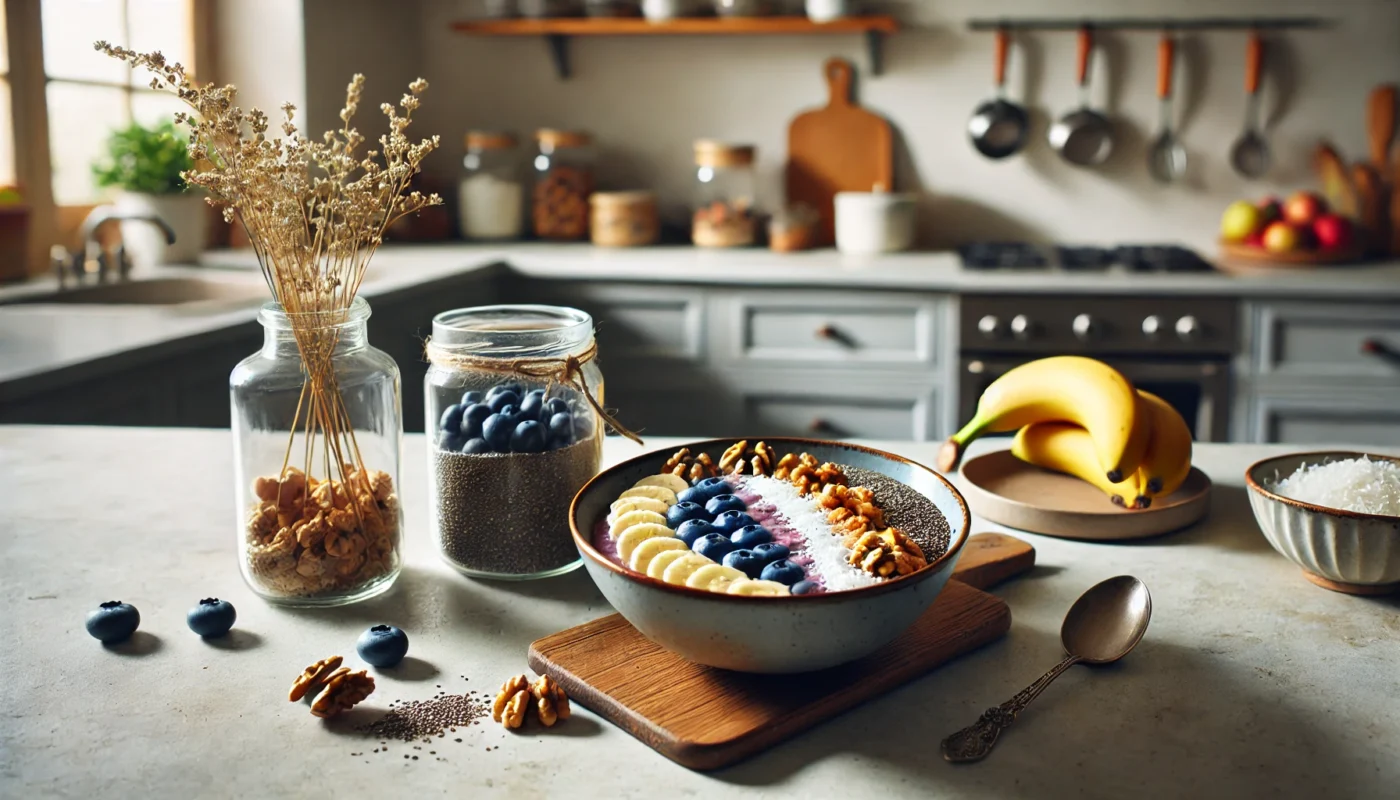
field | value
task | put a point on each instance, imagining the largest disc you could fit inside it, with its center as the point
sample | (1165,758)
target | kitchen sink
(155,292)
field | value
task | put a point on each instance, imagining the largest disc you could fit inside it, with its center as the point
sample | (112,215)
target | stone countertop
(1250,681)
(44,342)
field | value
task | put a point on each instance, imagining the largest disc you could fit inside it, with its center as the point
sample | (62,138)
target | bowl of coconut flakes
(1334,514)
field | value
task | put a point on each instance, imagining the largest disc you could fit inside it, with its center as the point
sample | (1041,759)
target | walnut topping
(733,459)
(887,553)
(762,461)
(343,690)
(313,678)
(693,468)
(550,701)
(511,702)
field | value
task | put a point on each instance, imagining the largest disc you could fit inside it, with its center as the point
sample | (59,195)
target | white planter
(185,213)
(874,222)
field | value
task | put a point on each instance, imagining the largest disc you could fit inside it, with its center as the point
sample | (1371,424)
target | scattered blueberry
(532,404)
(382,646)
(731,521)
(714,546)
(527,438)
(745,561)
(561,429)
(555,405)
(212,617)
(472,419)
(497,430)
(712,487)
(724,502)
(772,551)
(783,571)
(113,621)
(684,512)
(691,530)
(476,447)
(451,440)
(471,398)
(804,587)
(751,536)
(500,400)
(452,417)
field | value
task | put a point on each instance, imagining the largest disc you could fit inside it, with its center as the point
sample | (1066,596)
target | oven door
(1198,389)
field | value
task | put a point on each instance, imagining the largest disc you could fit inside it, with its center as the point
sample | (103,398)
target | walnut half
(343,690)
(511,702)
(887,553)
(313,678)
(550,701)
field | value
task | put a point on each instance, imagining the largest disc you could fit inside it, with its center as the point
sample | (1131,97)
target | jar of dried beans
(563,184)
(491,195)
(724,195)
(317,427)
(514,400)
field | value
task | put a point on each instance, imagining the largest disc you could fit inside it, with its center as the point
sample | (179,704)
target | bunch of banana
(1082,417)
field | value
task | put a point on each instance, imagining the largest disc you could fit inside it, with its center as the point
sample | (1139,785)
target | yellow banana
(1066,447)
(1168,459)
(1074,389)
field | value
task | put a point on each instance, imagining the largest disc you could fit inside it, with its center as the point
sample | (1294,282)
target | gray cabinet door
(849,406)
(658,324)
(1327,341)
(1365,420)
(826,329)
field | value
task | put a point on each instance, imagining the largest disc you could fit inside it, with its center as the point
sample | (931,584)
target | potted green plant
(144,165)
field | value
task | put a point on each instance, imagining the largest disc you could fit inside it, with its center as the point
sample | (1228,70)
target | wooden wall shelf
(557,32)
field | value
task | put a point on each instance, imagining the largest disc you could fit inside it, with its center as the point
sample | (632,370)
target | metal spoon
(998,127)
(1250,154)
(1102,626)
(1083,137)
(1167,158)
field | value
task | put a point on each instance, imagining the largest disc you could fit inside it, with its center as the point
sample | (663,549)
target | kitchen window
(7,123)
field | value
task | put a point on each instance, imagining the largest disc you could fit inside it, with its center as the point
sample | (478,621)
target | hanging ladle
(1167,158)
(998,127)
(1250,155)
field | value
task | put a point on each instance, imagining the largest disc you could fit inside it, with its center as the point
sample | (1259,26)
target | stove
(1132,257)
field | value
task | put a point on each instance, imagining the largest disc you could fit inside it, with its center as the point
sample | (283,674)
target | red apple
(1255,239)
(1281,237)
(1304,207)
(1334,232)
(1270,209)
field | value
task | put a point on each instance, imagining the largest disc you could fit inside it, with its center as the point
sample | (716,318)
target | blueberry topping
(714,546)
(691,530)
(804,587)
(731,521)
(745,561)
(724,502)
(451,417)
(212,617)
(684,512)
(472,419)
(772,551)
(555,405)
(497,430)
(783,571)
(476,447)
(751,536)
(382,646)
(561,430)
(532,405)
(712,487)
(502,399)
(471,398)
(527,438)
(113,621)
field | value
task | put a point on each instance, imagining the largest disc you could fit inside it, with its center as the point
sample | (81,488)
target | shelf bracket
(874,51)
(559,53)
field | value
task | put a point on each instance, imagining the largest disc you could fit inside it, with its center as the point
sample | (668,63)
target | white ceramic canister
(828,10)
(662,10)
(874,222)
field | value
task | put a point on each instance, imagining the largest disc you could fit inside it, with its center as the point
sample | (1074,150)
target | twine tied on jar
(565,371)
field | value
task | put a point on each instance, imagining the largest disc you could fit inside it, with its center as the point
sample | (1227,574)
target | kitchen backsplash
(647,98)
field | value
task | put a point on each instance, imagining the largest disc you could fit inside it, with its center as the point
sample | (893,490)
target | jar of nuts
(724,195)
(563,184)
(624,219)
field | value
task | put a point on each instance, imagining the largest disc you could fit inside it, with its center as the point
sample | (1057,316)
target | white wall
(647,98)
(260,50)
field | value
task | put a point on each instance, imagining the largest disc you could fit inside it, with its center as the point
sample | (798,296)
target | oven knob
(1021,326)
(1084,327)
(1188,329)
(990,326)
(1151,326)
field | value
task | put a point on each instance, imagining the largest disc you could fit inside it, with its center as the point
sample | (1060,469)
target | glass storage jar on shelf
(724,195)
(563,183)
(514,436)
(491,196)
(317,460)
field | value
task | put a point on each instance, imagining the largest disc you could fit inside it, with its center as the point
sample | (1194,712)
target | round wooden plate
(1299,259)
(1002,488)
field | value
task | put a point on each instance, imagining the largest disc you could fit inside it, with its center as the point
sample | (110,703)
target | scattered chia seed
(905,509)
(409,721)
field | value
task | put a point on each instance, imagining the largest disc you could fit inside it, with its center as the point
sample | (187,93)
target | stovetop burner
(1133,257)
(1002,255)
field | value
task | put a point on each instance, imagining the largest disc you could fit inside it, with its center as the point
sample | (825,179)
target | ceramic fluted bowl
(770,634)
(1339,550)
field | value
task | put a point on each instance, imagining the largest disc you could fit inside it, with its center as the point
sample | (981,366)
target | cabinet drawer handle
(1381,350)
(831,333)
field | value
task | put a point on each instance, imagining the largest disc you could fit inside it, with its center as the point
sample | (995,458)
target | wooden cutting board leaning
(705,718)
(838,148)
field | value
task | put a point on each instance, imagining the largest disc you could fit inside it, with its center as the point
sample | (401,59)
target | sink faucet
(92,257)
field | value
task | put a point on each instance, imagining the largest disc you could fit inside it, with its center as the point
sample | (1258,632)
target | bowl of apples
(1299,232)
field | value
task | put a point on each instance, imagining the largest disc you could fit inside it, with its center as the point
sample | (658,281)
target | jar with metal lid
(514,399)
(724,195)
(624,219)
(491,195)
(563,183)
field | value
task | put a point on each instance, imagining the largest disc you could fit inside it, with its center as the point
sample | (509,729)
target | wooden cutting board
(839,148)
(706,718)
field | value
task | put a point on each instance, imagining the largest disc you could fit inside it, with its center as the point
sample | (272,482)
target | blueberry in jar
(804,587)
(783,571)
(745,561)
(451,440)
(502,399)
(724,502)
(113,621)
(476,447)
(532,405)
(751,536)
(504,387)
(684,512)
(382,646)
(212,617)
(472,419)
(731,521)
(561,430)
(690,530)
(772,551)
(528,437)
(496,431)
(471,398)
(452,417)
(714,546)
(555,405)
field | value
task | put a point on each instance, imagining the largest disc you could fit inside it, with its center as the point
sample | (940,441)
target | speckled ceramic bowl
(770,634)
(1339,550)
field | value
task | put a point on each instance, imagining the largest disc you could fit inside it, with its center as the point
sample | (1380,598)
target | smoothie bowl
(775,556)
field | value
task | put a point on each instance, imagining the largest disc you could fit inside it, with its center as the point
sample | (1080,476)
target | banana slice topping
(675,483)
(637,534)
(657,567)
(682,568)
(620,507)
(643,553)
(652,492)
(714,577)
(752,588)
(625,521)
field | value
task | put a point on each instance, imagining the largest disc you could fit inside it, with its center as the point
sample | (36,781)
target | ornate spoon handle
(974,742)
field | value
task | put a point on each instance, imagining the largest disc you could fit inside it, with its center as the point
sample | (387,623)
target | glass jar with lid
(512,397)
(724,195)
(491,195)
(563,183)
